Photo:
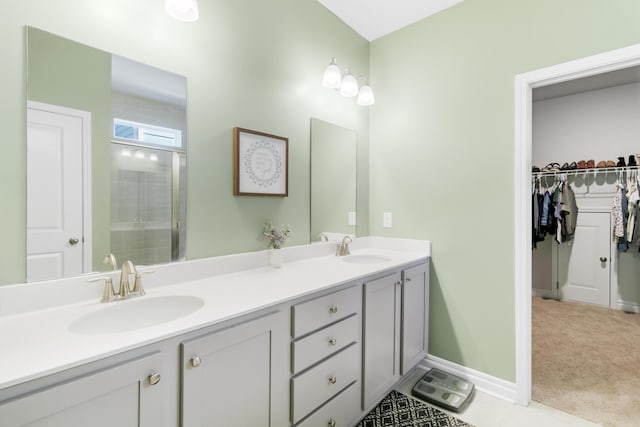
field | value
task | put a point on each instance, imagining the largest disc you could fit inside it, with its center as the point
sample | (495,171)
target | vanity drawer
(319,312)
(319,384)
(341,411)
(324,342)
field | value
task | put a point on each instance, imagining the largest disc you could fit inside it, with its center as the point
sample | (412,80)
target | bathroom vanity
(225,341)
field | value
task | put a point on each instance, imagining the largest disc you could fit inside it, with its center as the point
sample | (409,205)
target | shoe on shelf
(621,162)
(535,169)
(632,160)
(601,164)
(564,167)
(591,164)
(573,166)
(582,164)
(611,164)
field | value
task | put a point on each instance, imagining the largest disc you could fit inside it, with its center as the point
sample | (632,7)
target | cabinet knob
(333,310)
(73,241)
(333,341)
(196,361)
(603,259)
(408,279)
(154,378)
(332,379)
(332,423)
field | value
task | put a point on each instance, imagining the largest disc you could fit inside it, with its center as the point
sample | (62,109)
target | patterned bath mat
(399,410)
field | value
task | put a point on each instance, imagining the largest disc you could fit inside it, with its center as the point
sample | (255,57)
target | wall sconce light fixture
(182,10)
(347,84)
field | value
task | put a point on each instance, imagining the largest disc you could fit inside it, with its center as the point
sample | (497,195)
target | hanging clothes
(618,225)
(555,212)
(623,244)
(569,212)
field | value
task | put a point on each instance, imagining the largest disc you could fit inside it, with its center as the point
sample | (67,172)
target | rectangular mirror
(106,160)
(333,180)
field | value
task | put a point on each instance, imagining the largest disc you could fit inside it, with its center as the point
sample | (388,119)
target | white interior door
(584,264)
(55,141)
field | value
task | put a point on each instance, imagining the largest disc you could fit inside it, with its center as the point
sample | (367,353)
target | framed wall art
(260,164)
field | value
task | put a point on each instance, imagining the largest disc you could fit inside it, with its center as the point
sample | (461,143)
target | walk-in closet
(585,255)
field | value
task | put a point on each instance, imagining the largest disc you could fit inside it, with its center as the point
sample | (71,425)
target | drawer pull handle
(332,423)
(332,379)
(333,310)
(333,341)
(196,361)
(154,378)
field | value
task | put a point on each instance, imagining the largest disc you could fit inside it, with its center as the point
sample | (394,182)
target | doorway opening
(524,85)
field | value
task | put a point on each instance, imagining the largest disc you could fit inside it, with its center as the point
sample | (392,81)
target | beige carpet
(586,361)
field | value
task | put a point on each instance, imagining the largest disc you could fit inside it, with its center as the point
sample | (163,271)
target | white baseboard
(629,307)
(486,383)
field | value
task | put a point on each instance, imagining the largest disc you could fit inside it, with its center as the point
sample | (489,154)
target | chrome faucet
(125,289)
(343,248)
(125,275)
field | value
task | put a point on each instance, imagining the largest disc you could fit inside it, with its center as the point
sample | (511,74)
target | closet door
(584,264)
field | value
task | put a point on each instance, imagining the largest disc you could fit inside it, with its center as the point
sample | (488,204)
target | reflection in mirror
(106,163)
(333,180)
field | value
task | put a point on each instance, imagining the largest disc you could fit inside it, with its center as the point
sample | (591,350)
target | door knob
(74,241)
(603,259)
(332,379)
(333,310)
(196,361)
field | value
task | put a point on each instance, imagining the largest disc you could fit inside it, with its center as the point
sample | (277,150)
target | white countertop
(38,342)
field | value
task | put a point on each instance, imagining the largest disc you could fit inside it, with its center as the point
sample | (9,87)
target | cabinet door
(415,317)
(381,337)
(122,396)
(236,377)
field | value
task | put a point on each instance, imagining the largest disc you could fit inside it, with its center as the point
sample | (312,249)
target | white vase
(275,258)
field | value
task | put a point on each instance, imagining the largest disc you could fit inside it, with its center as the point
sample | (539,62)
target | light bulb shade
(366,97)
(182,10)
(349,86)
(332,77)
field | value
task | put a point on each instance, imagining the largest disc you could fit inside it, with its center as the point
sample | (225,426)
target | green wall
(442,130)
(73,75)
(249,63)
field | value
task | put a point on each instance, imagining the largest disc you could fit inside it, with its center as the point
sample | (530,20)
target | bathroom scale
(443,389)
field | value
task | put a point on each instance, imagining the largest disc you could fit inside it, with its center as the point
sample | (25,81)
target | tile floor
(488,411)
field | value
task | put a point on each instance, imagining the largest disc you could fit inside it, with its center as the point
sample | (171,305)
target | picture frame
(260,164)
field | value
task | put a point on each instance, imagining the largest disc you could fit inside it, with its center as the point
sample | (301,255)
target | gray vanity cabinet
(127,395)
(395,334)
(236,376)
(414,326)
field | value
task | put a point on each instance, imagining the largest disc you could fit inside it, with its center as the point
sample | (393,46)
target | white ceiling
(135,78)
(375,18)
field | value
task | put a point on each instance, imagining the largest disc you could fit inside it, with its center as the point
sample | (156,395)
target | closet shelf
(592,171)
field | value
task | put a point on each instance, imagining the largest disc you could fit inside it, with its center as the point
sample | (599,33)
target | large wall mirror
(333,180)
(106,160)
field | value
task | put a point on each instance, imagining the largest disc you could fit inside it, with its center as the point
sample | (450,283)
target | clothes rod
(590,171)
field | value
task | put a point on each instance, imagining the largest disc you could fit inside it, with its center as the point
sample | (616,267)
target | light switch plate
(352,218)
(387,220)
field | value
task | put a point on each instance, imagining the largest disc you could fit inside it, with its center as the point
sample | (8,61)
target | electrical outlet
(387,220)
(352,218)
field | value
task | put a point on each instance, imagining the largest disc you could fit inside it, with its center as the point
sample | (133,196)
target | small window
(148,134)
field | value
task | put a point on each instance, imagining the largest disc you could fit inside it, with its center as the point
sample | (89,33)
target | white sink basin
(366,259)
(142,312)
